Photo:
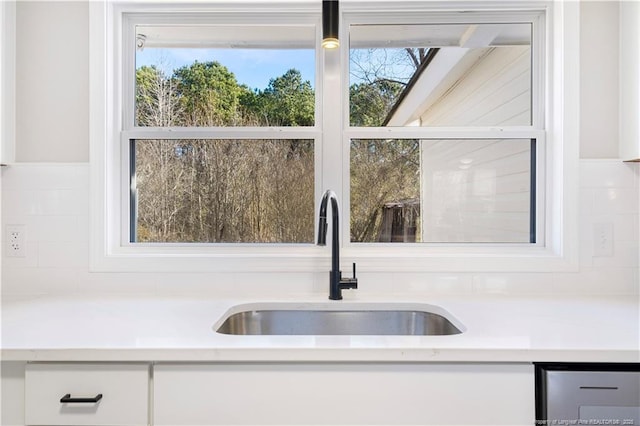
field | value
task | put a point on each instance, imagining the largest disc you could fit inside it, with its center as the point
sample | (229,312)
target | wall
(52,69)
(599,79)
(52,200)
(51,196)
(60,109)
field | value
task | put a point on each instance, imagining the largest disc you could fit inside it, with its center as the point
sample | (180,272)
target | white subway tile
(586,239)
(61,228)
(19,203)
(63,255)
(372,282)
(39,281)
(625,226)
(512,283)
(62,202)
(434,283)
(607,174)
(626,254)
(615,201)
(45,176)
(268,284)
(320,282)
(231,284)
(598,281)
(53,202)
(585,201)
(117,283)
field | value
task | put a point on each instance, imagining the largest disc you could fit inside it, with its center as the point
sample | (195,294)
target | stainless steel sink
(337,322)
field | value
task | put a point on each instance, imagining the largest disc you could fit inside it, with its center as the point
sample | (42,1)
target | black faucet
(336,282)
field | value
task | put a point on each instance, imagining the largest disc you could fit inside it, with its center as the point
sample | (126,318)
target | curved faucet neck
(335,227)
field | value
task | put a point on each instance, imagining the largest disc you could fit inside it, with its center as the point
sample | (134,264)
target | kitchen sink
(333,321)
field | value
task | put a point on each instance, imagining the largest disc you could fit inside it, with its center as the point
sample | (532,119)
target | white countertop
(496,329)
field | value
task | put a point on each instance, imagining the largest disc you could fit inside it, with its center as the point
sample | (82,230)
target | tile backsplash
(52,201)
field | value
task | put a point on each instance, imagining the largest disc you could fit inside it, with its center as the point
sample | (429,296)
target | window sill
(309,258)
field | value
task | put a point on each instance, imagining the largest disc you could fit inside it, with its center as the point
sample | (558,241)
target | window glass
(245,186)
(240,188)
(440,75)
(224,75)
(478,191)
(443,191)
(222,191)
(385,178)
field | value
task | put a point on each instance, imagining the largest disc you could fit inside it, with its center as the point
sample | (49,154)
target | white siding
(494,91)
(475,191)
(479,191)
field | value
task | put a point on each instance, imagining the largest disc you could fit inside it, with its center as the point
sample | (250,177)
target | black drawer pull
(67,398)
(600,387)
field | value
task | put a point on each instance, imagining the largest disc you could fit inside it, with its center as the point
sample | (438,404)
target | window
(449,132)
(471,74)
(211,77)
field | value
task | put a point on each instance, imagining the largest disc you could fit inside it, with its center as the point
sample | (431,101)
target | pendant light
(330,24)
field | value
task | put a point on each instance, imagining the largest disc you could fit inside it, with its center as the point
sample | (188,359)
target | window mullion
(444,132)
(222,133)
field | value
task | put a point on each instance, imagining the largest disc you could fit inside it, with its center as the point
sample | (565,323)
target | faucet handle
(345,283)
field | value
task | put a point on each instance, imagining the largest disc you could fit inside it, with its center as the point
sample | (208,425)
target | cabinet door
(629,80)
(124,391)
(334,393)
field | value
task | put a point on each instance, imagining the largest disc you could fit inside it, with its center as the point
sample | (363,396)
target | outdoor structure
(474,190)
(400,221)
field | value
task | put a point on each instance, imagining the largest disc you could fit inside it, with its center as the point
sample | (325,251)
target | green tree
(209,94)
(287,101)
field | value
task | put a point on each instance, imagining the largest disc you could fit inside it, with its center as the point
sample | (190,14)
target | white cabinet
(12,392)
(343,393)
(63,394)
(630,80)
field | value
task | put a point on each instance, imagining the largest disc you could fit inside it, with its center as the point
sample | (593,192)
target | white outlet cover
(603,239)
(15,237)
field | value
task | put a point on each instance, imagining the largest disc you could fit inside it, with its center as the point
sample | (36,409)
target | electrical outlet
(15,241)
(603,239)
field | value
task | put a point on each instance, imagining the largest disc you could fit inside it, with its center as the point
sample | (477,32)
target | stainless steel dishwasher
(587,394)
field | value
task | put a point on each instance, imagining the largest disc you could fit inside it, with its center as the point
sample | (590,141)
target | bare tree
(222,190)
(382,171)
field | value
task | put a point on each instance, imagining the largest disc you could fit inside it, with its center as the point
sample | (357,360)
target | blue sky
(253,67)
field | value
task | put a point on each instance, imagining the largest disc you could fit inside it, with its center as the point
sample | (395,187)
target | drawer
(124,389)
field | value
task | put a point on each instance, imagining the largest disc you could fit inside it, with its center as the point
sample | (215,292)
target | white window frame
(110,250)
(131,18)
(535,131)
